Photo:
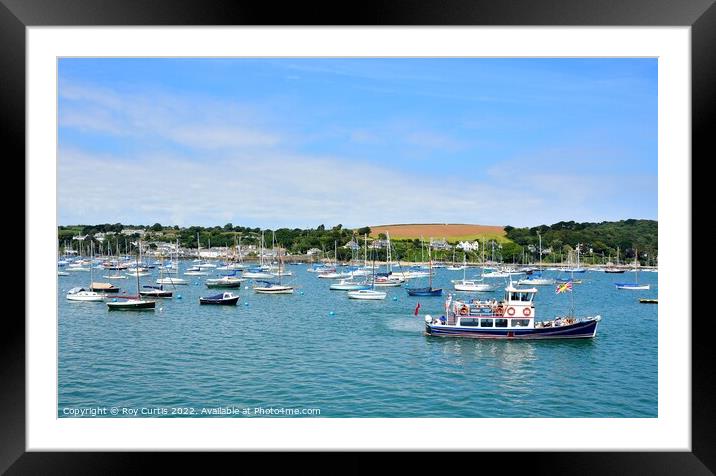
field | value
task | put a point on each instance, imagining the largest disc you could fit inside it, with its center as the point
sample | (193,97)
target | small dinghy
(649,301)
(224,298)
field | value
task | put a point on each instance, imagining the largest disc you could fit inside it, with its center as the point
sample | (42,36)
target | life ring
(526,311)
(499,310)
(464,310)
(510,311)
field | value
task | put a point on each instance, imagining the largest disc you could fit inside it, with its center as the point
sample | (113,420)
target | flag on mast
(563,287)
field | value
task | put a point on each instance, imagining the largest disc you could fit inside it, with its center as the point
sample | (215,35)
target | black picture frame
(700,15)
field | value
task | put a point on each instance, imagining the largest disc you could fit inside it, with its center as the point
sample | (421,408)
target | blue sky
(294,142)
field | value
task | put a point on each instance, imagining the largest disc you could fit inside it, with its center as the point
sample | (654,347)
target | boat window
(500,322)
(469,321)
(520,322)
(486,323)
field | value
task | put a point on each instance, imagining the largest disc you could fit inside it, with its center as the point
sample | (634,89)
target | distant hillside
(450,231)
(601,238)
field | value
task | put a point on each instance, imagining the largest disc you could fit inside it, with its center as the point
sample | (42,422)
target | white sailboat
(539,280)
(472,285)
(274,288)
(132,303)
(79,294)
(175,265)
(635,286)
(368,294)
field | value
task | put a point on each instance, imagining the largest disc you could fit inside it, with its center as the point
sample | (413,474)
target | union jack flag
(562,287)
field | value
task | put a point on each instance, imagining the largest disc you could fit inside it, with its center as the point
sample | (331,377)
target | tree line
(601,240)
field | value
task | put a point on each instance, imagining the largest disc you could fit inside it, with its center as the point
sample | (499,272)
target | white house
(131,231)
(468,246)
(352,245)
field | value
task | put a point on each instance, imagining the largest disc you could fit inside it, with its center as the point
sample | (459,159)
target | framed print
(276,238)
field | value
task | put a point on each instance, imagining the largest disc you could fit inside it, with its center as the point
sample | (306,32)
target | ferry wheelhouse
(511,318)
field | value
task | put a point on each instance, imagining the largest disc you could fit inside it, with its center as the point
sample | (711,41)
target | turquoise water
(367,359)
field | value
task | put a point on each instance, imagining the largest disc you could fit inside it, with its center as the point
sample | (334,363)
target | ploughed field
(450,231)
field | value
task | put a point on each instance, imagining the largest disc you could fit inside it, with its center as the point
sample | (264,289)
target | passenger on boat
(443,320)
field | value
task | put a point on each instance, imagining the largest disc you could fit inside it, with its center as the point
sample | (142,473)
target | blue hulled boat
(429,291)
(225,298)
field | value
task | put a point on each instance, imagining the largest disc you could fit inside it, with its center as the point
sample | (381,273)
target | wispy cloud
(201,123)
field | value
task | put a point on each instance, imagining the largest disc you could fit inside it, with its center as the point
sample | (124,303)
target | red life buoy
(510,311)
(526,311)
(464,310)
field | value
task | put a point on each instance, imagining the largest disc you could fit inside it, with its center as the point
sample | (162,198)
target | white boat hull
(87,296)
(174,281)
(537,282)
(635,287)
(367,295)
(257,275)
(274,290)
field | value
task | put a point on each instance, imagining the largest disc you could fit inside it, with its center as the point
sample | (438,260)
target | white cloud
(200,123)
(276,191)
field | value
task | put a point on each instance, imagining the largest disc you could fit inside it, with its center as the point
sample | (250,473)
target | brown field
(449,231)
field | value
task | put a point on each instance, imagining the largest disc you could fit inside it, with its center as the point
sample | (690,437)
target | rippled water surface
(367,359)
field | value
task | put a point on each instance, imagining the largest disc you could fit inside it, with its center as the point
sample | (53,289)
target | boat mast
(365,252)
(430,270)
(261,258)
(91,261)
(137,271)
(422,247)
(389,265)
(540,251)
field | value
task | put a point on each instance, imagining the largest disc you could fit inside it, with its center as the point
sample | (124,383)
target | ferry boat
(511,318)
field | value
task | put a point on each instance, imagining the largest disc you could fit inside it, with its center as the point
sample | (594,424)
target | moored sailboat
(132,303)
(635,286)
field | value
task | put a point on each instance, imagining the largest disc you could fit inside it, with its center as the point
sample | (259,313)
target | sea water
(316,353)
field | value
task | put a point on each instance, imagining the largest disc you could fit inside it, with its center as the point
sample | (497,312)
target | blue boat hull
(424,292)
(224,302)
(580,330)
